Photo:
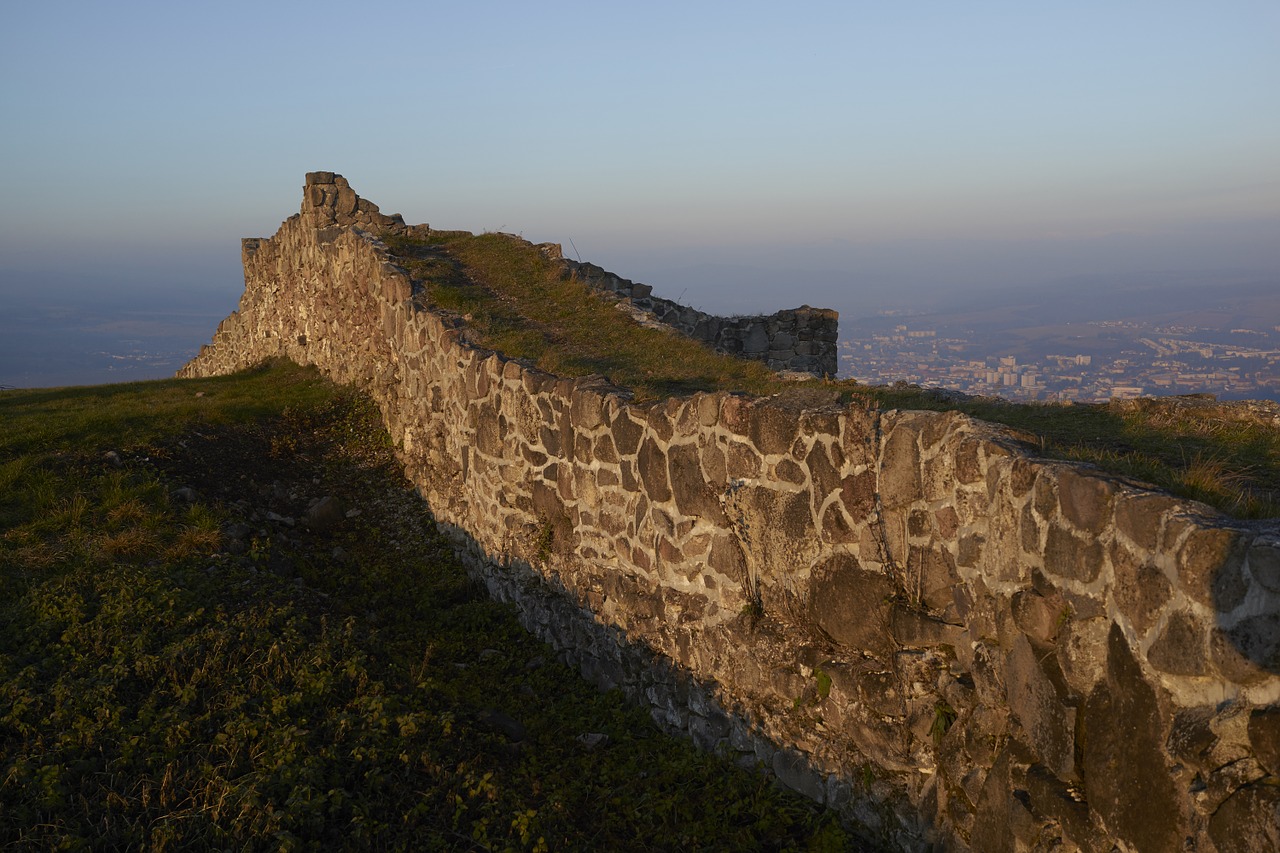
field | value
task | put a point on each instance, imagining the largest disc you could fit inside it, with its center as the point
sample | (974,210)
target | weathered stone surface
(993,828)
(714,468)
(1036,705)
(1125,775)
(835,528)
(969,554)
(1038,616)
(651,464)
(641,540)
(947,522)
(1140,518)
(626,435)
(772,429)
(1264,737)
(726,556)
(900,471)
(858,491)
(1249,821)
(1180,649)
(1085,501)
(968,462)
(789,472)
(692,494)
(1264,562)
(1067,555)
(912,629)
(742,462)
(1248,650)
(851,605)
(1191,737)
(936,571)
(1210,563)
(1141,588)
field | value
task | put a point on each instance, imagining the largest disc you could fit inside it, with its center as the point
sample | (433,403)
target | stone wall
(801,339)
(904,615)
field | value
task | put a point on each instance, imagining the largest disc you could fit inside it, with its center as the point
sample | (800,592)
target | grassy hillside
(225,621)
(516,301)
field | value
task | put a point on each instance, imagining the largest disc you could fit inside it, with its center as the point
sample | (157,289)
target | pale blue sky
(823,146)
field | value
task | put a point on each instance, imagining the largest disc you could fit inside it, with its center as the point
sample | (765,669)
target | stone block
(968,463)
(692,494)
(626,434)
(852,605)
(1051,797)
(824,476)
(994,822)
(1125,775)
(1264,738)
(1181,647)
(1140,588)
(756,341)
(1264,562)
(900,469)
(772,429)
(789,472)
(603,450)
(858,493)
(946,522)
(835,526)
(1047,723)
(741,461)
(659,420)
(1067,555)
(969,552)
(1249,651)
(795,770)
(1039,617)
(1085,500)
(935,571)
(587,409)
(916,630)
(651,465)
(1141,516)
(714,466)
(1022,474)
(1249,820)
(1210,566)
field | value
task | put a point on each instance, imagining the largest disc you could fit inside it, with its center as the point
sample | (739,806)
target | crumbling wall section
(802,339)
(904,615)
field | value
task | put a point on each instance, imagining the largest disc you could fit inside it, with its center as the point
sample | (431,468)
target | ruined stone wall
(801,339)
(905,615)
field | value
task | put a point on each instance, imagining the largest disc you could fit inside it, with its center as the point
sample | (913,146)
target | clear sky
(747,155)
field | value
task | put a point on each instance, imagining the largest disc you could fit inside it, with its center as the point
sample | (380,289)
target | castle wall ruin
(905,615)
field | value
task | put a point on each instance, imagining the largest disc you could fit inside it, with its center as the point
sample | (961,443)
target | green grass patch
(184,663)
(1213,454)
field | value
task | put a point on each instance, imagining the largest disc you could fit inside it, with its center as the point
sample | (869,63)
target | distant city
(1084,343)
(1208,350)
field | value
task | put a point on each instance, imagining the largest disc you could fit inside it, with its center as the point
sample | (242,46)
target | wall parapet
(904,615)
(802,339)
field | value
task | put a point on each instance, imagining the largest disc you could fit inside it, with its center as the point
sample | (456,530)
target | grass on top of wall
(517,302)
(185,663)
(1214,454)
